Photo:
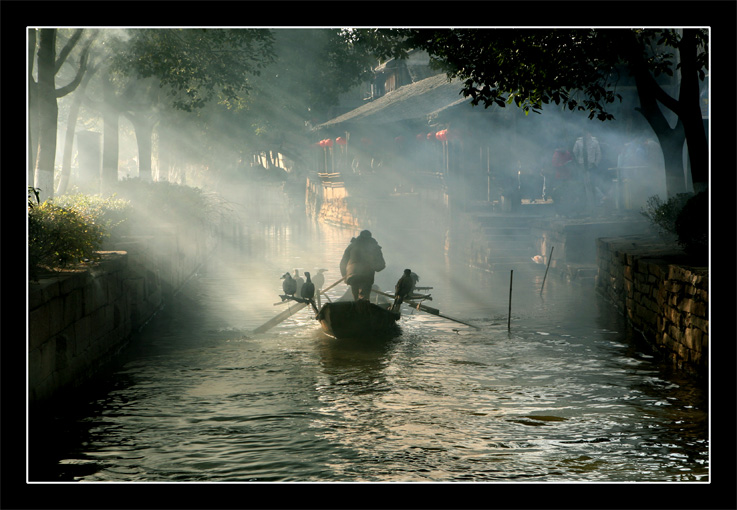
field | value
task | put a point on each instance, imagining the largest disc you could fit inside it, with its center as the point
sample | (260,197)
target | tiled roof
(414,101)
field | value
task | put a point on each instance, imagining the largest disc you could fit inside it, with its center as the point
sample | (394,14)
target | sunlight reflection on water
(560,396)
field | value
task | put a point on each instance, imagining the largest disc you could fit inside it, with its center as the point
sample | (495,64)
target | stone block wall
(79,321)
(662,296)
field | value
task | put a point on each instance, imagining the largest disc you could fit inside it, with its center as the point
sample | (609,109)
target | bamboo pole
(424,308)
(288,313)
(550,257)
(509,317)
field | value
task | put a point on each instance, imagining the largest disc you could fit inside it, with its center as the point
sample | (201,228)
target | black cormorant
(289,286)
(308,291)
(403,288)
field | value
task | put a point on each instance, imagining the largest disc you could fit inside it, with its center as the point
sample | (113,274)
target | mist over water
(562,395)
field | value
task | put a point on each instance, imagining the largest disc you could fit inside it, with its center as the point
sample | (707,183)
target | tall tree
(192,67)
(576,68)
(43,96)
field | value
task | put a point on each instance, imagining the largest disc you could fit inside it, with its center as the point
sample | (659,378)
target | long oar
(428,309)
(287,313)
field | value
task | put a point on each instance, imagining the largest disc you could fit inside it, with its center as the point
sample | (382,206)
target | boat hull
(358,319)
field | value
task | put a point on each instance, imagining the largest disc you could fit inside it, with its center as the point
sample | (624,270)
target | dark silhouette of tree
(43,95)
(578,69)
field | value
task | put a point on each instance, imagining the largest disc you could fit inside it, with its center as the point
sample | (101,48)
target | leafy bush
(110,212)
(69,230)
(685,216)
(167,202)
(692,226)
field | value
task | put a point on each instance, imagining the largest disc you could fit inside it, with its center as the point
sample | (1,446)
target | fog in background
(399,173)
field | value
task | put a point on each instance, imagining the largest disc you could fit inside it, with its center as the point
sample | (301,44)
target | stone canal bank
(80,321)
(663,296)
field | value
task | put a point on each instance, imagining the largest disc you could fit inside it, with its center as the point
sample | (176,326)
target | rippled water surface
(562,394)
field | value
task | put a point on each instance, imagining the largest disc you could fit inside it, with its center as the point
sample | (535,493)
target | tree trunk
(143,126)
(671,140)
(48,115)
(110,115)
(66,164)
(32,109)
(693,124)
(689,126)
(671,143)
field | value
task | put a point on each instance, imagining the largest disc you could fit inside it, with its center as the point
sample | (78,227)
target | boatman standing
(361,261)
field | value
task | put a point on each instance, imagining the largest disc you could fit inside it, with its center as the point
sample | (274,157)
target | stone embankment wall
(79,321)
(662,297)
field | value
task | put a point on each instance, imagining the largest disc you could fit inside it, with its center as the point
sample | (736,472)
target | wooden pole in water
(509,317)
(550,257)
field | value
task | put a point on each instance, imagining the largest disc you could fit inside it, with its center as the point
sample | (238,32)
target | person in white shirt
(587,153)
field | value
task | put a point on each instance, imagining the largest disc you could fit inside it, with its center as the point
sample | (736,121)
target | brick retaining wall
(662,296)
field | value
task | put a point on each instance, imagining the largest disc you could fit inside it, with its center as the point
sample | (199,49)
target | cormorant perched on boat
(300,281)
(289,286)
(319,281)
(308,291)
(403,288)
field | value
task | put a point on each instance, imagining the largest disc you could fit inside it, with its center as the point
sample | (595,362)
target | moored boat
(358,319)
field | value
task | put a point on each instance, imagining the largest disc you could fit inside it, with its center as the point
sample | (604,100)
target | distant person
(361,261)
(562,163)
(587,153)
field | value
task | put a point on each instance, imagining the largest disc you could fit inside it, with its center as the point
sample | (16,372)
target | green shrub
(59,237)
(686,217)
(692,226)
(68,230)
(166,202)
(111,213)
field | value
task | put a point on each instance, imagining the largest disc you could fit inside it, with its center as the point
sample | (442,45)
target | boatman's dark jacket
(362,259)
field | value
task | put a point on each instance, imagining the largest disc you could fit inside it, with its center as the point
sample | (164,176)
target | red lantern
(340,140)
(329,142)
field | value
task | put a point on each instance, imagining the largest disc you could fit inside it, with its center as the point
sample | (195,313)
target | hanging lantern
(441,135)
(430,136)
(340,140)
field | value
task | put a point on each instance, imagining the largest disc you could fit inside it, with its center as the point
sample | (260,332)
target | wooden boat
(358,319)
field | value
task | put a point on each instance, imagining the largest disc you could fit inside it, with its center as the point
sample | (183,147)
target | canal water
(556,392)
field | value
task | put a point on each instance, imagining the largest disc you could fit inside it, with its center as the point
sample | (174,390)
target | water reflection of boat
(358,319)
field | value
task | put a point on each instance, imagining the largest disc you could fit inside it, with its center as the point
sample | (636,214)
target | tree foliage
(578,69)
(195,66)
